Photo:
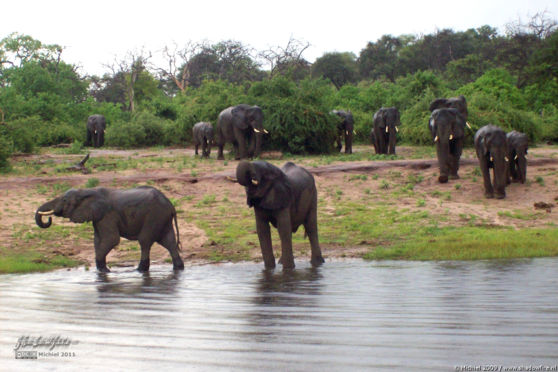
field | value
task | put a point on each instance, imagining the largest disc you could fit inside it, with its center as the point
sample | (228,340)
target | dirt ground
(459,201)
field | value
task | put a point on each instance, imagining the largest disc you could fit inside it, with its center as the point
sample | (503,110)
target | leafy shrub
(6,146)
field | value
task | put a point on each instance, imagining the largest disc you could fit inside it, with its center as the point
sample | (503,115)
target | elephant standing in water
(492,149)
(241,125)
(286,198)
(345,128)
(202,134)
(386,121)
(143,214)
(96,125)
(448,131)
(518,144)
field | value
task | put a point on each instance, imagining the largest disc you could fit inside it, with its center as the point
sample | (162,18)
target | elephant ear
(279,194)
(458,128)
(438,103)
(239,118)
(90,206)
(432,125)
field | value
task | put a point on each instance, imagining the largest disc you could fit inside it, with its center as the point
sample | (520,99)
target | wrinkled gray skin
(202,134)
(345,129)
(286,198)
(241,125)
(491,147)
(384,132)
(96,126)
(143,214)
(458,103)
(518,144)
(445,124)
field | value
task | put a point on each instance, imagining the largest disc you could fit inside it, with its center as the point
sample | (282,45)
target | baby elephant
(202,133)
(517,156)
(286,198)
(143,214)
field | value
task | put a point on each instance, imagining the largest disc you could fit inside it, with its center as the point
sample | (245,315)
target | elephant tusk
(397,129)
(354,132)
(525,156)
(255,182)
(95,132)
(265,131)
(451,137)
(387,129)
(491,158)
(506,158)
(347,132)
(257,131)
(436,139)
(231,179)
(468,125)
(46,213)
(515,158)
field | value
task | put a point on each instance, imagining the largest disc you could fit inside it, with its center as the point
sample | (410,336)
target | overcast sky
(94,32)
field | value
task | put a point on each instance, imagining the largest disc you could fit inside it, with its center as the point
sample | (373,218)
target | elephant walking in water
(143,214)
(345,128)
(96,125)
(202,134)
(384,132)
(286,198)
(241,125)
(518,144)
(492,149)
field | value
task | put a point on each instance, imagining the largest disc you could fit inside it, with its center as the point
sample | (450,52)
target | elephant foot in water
(317,260)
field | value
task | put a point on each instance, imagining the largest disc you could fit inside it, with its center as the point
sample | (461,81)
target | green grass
(27,262)
(470,243)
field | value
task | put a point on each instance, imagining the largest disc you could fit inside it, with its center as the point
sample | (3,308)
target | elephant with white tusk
(96,125)
(241,125)
(345,128)
(518,144)
(384,132)
(448,130)
(142,213)
(491,147)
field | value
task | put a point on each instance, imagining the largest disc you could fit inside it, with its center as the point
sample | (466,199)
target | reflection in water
(345,315)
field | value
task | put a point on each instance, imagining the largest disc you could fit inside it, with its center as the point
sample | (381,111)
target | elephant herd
(284,197)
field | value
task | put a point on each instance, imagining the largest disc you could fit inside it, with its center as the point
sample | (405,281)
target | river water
(346,315)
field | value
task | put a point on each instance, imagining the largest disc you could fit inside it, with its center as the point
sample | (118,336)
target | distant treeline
(510,80)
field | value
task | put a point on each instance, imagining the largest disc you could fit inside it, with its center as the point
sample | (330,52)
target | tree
(381,58)
(178,70)
(130,67)
(287,60)
(339,68)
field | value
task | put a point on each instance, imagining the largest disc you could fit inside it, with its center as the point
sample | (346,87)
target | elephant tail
(178,244)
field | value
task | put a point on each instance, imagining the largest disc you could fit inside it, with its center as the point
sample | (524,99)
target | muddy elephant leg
(169,242)
(105,241)
(264,235)
(311,228)
(488,189)
(284,228)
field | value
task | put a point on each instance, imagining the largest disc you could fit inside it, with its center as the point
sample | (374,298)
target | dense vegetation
(509,79)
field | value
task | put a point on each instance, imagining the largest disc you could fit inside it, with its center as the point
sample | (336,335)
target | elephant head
(77,205)
(250,120)
(266,185)
(458,103)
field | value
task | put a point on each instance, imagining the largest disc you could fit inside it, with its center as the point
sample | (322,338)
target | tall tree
(287,60)
(339,68)
(130,67)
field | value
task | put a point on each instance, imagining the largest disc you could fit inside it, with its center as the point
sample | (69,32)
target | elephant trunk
(47,209)
(258,145)
(500,173)
(522,168)
(442,151)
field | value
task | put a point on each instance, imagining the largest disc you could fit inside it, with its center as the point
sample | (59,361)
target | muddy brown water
(345,315)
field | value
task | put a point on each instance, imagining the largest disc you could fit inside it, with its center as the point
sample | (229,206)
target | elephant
(286,198)
(96,126)
(448,131)
(243,126)
(518,144)
(202,133)
(492,149)
(142,213)
(345,128)
(458,103)
(386,121)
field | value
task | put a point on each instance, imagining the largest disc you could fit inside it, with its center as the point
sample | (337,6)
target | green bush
(6,146)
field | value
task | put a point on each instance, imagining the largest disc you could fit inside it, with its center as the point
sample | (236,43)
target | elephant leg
(105,241)
(145,245)
(311,228)
(88,140)
(522,169)
(196,148)
(456,148)
(391,143)
(338,140)
(240,144)
(220,152)
(348,142)
(264,235)
(488,190)
(284,228)
(169,242)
